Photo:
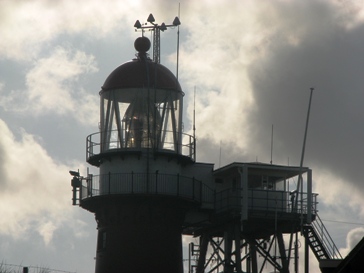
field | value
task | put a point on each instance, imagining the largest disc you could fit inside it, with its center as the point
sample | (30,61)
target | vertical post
(306,255)
(237,248)
(190,246)
(80,192)
(309,196)
(91,186)
(178,184)
(193,188)
(201,189)
(244,186)
(156,45)
(194,123)
(253,256)
(179,125)
(156,181)
(132,182)
(294,209)
(228,249)
(248,264)
(204,242)
(296,254)
(109,182)
(179,9)
(282,251)
(271,148)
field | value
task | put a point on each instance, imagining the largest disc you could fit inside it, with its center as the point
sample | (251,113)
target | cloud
(29,26)
(352,13)
(253,64)
(46,230)
(253,68)
(35,194)
(352,239)
(228,60)
(329,58)
(53,87)
(216,63)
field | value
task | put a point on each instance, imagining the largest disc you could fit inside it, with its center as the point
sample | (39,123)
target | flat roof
(260,169)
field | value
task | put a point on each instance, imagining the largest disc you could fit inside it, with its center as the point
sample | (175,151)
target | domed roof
(140,73)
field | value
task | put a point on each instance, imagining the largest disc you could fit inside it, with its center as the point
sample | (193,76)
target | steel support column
(282,251)
(204,242)
(237,248)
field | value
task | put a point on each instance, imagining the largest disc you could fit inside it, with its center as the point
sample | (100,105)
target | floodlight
(75,182)
(150,18)
(74,173)
(137,24)
(163,27)
(176,21)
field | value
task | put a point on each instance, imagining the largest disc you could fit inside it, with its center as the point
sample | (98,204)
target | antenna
(156,33)
(299,182)
(194,113)
(304,145)
(220,156)
(271,147)
(179,16)
(194,121)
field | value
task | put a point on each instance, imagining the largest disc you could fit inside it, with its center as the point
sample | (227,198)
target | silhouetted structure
(150,191)
(144,188)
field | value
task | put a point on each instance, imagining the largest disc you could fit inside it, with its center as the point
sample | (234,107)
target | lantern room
(141,106)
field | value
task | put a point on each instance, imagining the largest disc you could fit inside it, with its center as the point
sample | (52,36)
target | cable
(342,222)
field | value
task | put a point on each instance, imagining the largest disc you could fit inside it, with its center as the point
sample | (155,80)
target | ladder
(320,241)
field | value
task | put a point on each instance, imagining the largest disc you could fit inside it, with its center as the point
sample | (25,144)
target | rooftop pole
(299,184)
(179,16)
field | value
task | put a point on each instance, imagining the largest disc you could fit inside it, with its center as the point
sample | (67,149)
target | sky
(252,64)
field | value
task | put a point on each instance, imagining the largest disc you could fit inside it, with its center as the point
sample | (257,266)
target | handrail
(325,238)
(266,200)
(95,146)
(146,184)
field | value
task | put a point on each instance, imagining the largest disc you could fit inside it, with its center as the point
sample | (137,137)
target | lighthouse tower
(142,193)
(150,190)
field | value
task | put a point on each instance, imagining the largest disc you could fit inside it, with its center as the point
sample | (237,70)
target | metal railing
(146,184)
(95,146)
(262,200)
(325,238)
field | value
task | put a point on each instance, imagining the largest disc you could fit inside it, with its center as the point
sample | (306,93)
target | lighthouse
(142,192)
(149,190)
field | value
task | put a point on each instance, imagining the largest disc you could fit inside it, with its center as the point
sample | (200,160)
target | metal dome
(140,73)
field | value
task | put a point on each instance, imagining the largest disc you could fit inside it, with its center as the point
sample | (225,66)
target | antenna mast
(299,183)
(271,147)
(179,16)
(194,121)
(156,33)
(303,149)
(194,113)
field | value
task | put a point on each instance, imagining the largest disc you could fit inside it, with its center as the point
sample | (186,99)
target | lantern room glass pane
(141,118)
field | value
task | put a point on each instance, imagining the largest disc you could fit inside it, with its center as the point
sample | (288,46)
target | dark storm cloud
(331,59)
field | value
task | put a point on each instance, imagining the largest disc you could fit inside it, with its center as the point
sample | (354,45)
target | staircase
(320,241)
